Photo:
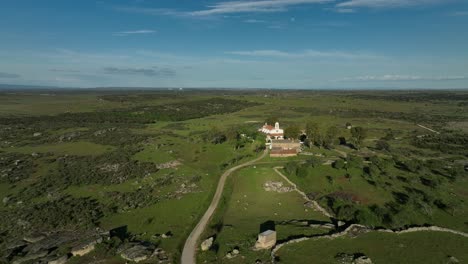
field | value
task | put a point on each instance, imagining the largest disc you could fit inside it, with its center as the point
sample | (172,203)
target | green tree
(292,131)
(313,134)
(271,120)
(358,135)
(339,164)
(382,145)
(330,137)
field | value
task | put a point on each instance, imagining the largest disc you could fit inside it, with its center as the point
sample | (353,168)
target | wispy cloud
(150,72)
(63,70)
(459,13)
(9,75)
(302,54)
(134,32)
(350,5)
(390,77)
(254,21)
(228,7)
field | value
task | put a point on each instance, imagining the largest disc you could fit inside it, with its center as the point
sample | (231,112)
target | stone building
(284,148)
(266,240)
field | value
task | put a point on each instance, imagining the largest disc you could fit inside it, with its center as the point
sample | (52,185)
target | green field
(150,160)
(421,247)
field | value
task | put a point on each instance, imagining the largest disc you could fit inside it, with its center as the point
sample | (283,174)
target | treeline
(449,142)
(136,115)
(414,117)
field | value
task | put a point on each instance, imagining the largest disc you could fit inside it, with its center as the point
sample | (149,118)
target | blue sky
(255,43)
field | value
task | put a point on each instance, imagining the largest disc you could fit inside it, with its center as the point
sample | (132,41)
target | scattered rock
(345,258)
(206,245)
(169,165)
(271,186)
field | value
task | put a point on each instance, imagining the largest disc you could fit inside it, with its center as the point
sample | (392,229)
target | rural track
(190,247)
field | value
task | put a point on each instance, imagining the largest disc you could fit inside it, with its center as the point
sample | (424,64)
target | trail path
(317,207)
(432,130)
(190,247)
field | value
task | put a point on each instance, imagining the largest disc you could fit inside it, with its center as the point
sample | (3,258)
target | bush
(339,164)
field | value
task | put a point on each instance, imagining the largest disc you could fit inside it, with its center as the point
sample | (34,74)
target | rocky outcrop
(169,165)
(85,247)
(206,245)
(137,253)
(59,260)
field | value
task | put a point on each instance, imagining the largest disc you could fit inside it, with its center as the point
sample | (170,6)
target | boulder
(34,238)
(161,255)
(60,260)
(235,251)
(137,253)
(453,260)
(206,245)
(85,247)
(341,223)
(362,260)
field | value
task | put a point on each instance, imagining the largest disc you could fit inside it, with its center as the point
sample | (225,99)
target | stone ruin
(271,186)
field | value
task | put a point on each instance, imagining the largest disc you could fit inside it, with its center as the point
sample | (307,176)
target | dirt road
(190,247)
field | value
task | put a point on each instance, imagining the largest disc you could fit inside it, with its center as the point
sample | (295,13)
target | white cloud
(390,77)
(137,32)
(350,4)
(303,54)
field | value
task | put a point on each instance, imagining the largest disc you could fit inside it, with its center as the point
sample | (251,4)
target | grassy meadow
(150,160)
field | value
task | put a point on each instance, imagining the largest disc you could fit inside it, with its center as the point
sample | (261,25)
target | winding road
(190,247)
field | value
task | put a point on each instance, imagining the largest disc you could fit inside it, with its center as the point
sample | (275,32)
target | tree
(291,168)
(389,135)
(330,136)
(339,164)
(292,131)
(271,120)
(358,134)
(313,134)
(382,145)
